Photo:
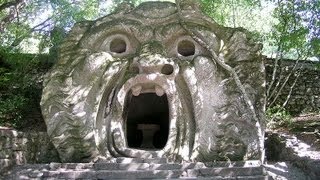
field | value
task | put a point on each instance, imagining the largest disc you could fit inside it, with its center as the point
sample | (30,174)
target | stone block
(157,174)
(231,172)
(5,164)
(106,166)
(6,142)
(85,174)
(254,177)
(193,172)
(196,165)
(165,166)
(129,160)
(134,166)
(71,166)
(122,166)
(156,160)
(35,174)
(252,163)
(51,174)
(19,157)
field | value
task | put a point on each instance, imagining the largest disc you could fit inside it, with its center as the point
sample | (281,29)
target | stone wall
(18,148)
(305,96)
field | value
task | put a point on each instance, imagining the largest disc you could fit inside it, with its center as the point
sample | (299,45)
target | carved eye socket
(118,45)
(186,48)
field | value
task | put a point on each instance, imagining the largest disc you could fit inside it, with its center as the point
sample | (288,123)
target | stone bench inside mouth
(148,134)
(147,121)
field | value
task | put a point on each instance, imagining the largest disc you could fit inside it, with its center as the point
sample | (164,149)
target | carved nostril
(167,69)
(186,48)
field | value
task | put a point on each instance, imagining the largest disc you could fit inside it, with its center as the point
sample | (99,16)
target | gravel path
(285,171)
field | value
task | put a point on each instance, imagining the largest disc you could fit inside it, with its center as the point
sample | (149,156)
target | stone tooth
(159,90)
(136,90)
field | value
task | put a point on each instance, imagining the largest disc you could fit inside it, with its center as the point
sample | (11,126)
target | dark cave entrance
(147,121)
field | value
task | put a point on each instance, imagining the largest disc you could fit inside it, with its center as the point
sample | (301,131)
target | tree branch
(274,72)
(18,40)
(285,82)
(291,87)
(9,4)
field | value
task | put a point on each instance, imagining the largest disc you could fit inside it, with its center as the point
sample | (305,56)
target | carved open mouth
(147,121)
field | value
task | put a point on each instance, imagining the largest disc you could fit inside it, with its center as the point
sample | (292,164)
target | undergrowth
(278,116)
(20,87)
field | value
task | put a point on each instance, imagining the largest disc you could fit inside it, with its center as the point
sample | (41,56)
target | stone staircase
(135,168)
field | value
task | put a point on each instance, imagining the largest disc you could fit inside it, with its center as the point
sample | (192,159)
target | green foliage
(67,12)
(253,15)
(277,116)
(20,87)
(286,27)
(10,110)
(36,19)
(297,34)
(230,13)
(292,29)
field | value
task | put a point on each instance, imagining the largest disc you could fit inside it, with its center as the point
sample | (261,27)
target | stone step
(155,174)
(261,177)
(227,172)
(117,174)
(137,170)
(124,166)
(104,174)
(115,166)
(139,160)
(250,163)
(136,166)
(76,166)
(91,174)
(127,166)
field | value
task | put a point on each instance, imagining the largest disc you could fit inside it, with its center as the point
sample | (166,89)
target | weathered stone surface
(138,171)
(18,148)
(136,84)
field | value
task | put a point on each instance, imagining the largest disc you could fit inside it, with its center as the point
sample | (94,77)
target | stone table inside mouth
(148,133)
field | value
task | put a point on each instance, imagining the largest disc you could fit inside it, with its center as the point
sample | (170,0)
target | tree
(232,13)
(296,36)
(21,19)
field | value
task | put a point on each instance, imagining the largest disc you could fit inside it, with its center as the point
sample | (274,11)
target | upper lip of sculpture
(146,83)
(147,88)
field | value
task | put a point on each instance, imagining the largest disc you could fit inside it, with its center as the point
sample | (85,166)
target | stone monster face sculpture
(136,84)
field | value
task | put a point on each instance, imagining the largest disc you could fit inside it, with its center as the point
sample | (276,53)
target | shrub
(20,87)
(277,116)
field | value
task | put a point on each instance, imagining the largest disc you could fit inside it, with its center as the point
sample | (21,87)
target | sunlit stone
(126,87)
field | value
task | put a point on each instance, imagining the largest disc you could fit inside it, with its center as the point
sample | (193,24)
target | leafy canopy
(287,26)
